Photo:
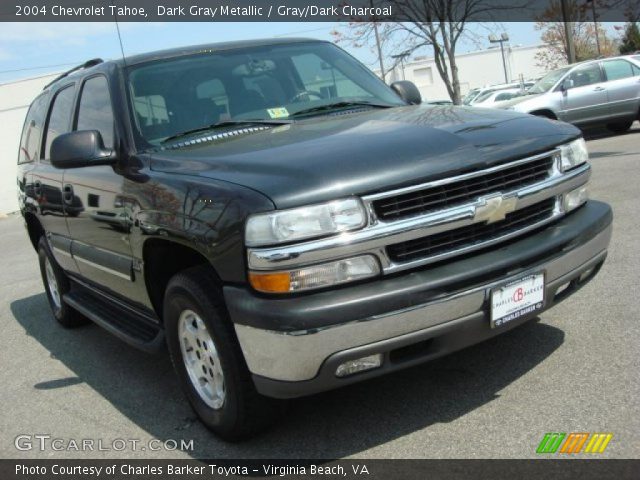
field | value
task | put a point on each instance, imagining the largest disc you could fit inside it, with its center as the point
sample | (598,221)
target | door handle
(67,194)
(598,89)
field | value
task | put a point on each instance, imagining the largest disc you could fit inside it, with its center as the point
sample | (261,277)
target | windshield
(470,96)
(548,81)
(263,83)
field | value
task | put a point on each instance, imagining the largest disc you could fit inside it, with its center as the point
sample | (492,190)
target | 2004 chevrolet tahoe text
(286,223)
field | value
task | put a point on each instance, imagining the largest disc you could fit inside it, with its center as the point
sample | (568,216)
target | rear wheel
(56,285)
(619,127)
(208,359)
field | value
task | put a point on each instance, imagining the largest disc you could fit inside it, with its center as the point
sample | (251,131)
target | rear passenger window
(59,117)
(95,111)
(32,130)
(617,69)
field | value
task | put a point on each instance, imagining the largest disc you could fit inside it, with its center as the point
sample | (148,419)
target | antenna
(124,60)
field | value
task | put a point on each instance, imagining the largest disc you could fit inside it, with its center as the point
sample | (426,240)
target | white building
(15,98)
(475,69)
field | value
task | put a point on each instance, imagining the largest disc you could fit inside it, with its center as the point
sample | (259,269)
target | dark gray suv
(286,223)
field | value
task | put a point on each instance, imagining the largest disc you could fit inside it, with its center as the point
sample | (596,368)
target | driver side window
(587,75)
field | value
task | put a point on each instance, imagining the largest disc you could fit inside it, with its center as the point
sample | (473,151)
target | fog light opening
(585,275)
(359,365)
(575,198)
(561,289)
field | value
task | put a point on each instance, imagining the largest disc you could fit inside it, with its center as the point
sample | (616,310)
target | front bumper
(294,345)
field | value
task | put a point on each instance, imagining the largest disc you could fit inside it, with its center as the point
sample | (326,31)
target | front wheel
(208,359)
(619,127)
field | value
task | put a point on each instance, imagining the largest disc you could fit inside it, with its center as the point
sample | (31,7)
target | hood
(519,100)
(333,156)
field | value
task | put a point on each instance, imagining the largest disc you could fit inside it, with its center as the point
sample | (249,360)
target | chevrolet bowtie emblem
(494,208)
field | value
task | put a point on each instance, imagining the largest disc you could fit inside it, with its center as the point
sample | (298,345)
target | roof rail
(87,64)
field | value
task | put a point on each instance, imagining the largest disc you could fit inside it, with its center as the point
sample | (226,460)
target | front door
(586,100)
(100,231)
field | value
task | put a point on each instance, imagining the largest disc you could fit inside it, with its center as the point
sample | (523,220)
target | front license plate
(516,299)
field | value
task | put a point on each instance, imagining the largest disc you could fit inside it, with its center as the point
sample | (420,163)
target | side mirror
(567,84)
(407,91)
(80,149)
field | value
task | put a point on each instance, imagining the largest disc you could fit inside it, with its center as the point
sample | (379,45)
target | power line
(39,68)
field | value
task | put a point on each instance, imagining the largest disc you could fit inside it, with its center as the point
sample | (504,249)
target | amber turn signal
(270,282)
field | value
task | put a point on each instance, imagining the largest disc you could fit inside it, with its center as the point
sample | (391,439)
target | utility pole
(503,38)
(568,32)
(379,47)
(401,57)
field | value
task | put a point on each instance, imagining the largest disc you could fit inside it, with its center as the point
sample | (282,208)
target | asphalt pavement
(573,370)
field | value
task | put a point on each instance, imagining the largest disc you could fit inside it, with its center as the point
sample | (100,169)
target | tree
(582,30)
(631,40)
(445,24)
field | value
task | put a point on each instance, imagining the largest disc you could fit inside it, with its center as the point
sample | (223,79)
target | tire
(217,383)
(56,285)
(619,127)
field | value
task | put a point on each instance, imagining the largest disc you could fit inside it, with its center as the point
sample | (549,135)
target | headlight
(573,199)
(303,223)
(573,154)
(316,276)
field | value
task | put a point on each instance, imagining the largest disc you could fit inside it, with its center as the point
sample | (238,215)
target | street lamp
(503,38)
(401,57)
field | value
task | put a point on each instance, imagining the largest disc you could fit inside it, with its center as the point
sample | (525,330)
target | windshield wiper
(333,106)
(226,123)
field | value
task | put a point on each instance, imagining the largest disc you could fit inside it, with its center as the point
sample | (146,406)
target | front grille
(462,191)
(471,235)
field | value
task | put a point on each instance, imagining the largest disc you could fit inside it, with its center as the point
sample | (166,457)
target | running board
(134,329)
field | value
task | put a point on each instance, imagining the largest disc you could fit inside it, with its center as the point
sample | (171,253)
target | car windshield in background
(470,96)
(172,97)
(548,81)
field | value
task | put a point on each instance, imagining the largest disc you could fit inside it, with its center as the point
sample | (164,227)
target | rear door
(100,231)
(47,180)
(623,87)
(586,101)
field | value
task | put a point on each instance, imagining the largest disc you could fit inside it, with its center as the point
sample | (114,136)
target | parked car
(597,92)
(474,93)
(491,98)
(289,224)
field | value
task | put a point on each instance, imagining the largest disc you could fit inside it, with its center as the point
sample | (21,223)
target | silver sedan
(596,92)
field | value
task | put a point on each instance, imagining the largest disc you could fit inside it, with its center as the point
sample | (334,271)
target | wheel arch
(545,112)
(34,229)
(162,259)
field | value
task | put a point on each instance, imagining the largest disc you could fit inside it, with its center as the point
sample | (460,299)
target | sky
(35,49)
